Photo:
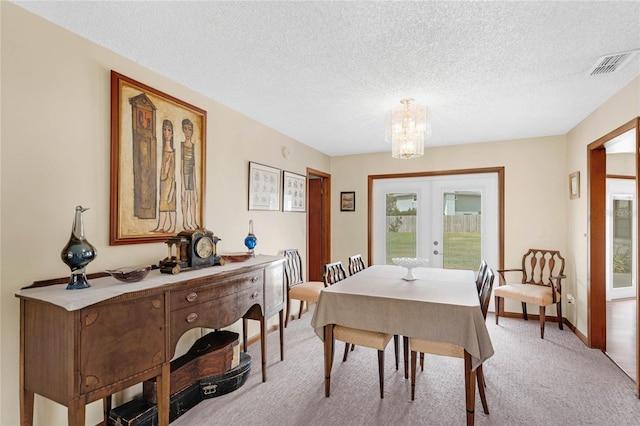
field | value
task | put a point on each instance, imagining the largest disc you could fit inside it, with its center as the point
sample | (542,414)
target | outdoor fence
(462,223)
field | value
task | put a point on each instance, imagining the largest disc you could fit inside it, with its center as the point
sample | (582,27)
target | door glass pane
(401,225)
(622,247)
(462,239)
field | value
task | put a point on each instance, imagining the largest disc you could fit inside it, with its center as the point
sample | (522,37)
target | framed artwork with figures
(158,146)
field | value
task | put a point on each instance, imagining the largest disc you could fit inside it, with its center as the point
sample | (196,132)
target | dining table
(440,305)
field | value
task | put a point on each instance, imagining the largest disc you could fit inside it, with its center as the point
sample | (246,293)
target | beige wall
(620,109)
(55,155)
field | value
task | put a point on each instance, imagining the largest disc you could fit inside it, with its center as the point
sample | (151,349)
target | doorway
(318,223)
(597,202)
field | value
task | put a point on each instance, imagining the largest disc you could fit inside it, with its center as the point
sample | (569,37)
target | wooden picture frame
(574,185)
(264,187)
(294,192)
(348,201)
(157,183)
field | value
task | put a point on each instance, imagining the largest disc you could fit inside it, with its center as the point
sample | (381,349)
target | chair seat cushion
(436,348)
(528,293)
(370,339)
(309,291)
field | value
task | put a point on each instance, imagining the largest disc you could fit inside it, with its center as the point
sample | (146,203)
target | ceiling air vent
(611,63)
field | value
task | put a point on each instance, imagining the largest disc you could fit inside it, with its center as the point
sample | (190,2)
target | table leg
(405,350)
(106,407)
(328,358)
(281,315)
(76,412)
(164,391)
(26,407)
(470,388)
(263,346)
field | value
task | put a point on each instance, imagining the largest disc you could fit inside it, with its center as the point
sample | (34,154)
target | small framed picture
(264,187)
(574,185)
(348,201)
(294,193)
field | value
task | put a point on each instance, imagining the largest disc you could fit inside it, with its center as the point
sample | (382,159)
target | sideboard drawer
(218,312)
(196,295)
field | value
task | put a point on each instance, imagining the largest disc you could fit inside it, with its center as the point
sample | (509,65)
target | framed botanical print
(264,187)
(294,192)
(158,146)
(348,201)
(574,185)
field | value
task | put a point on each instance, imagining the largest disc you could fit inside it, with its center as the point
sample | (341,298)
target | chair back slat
(538,266)
(293,267)
(333,273)
(485,291)
(356,264)
(482,272)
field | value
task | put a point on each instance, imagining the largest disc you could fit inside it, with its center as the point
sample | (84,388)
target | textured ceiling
(327,73)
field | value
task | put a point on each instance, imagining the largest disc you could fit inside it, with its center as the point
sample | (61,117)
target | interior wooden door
(318,223)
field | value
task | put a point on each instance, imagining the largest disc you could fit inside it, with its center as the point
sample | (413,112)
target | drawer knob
(192,296)
(254,295)
(254,279)
(192,317)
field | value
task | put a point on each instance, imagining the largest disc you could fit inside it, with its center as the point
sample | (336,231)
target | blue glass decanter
(78,253)
(250,241)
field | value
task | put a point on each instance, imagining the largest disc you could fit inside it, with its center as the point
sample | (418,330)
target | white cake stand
(410,263)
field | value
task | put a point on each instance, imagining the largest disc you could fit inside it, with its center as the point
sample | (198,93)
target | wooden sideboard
(77,355)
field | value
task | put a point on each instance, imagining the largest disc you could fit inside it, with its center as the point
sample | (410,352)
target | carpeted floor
(530,381)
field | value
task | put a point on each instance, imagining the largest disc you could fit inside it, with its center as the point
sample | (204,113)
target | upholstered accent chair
(540,284)
(449,349)
(334,273)
(297,288)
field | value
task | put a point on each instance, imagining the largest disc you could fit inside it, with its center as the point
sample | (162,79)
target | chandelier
(407,128)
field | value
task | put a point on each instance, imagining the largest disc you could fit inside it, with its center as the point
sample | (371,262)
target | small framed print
(574,185)
(348,201)
(264,187)
(294,193)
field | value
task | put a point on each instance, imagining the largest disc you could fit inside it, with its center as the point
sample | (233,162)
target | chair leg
(301,306)
(286,321)
(481,386)
(542,309)
(396,345)
(414,355)
(381,372)
(421,361)
(497,308)
(346,351)
(559,308)
(524,311)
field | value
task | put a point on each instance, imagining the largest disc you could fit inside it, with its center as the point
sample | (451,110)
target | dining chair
(450,349)
(333,273)
(482,271)
(541,275)
(297,288)
(356,264)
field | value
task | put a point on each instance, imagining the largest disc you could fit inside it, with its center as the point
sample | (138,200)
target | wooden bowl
(130,274)
(236,257)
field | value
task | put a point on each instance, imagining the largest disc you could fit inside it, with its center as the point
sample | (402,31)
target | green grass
(462,249)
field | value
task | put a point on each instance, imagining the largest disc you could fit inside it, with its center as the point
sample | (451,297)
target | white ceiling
(327,73)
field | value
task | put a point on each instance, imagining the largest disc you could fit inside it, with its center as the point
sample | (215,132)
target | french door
(451,220)
(621,241)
